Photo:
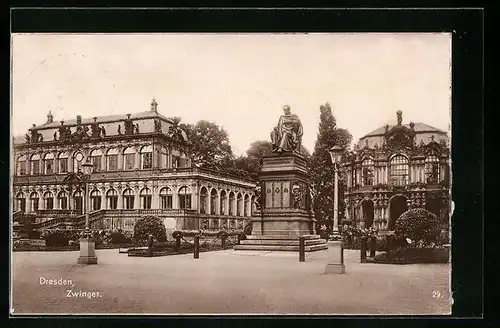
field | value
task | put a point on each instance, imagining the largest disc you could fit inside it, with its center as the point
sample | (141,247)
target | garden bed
(26,247)
(410,255)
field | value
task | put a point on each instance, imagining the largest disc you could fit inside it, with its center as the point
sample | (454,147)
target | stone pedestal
(285,203)
(87,251)
(335,258)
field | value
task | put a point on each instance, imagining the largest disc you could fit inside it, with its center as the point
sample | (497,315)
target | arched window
(239,204)
(213,200)
(95,159)
(223,200)
(367,172)
(231,203)
(21,165)
(146,197)
(112,159)
(95,200)
(77,161)
(432,169)
(48,163)
(34,201)
(203,200)
(48,199)
(129,158)
(112,199)
(35,164)
(399,170)
(166,198)
(62,162)
(21,202)
(184,197)
(128,198)
(62,198)
(146,157)
(78,200)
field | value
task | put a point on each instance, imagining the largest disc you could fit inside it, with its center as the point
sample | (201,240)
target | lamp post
(335,248)
(87,243)
(335,155)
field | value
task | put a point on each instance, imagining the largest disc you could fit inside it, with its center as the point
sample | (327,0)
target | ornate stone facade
(396,168)
(138,170)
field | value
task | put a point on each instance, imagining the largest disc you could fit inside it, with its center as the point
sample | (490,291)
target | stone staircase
(281,243)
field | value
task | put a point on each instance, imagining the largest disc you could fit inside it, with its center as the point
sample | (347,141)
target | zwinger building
(141,166)
(395,168)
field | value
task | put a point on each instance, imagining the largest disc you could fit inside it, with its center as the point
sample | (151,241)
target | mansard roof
(104,119)
(419,128)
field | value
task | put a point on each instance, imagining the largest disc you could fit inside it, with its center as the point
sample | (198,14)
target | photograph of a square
(225,174)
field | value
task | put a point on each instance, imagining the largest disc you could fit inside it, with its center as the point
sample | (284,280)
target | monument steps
(310,248)
(281,237)
(272,242)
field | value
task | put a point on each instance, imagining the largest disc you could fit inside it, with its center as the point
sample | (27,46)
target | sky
(239,81)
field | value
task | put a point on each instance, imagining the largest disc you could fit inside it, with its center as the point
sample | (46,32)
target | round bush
(150,225)
(117,237)
(56,238)
(419,225)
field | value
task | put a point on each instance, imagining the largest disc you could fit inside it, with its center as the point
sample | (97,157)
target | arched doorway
(368,213)
(396,208)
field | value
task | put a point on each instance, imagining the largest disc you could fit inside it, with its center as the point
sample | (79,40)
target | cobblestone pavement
(225,282)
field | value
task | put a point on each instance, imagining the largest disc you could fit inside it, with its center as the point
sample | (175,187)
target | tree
(419,225)
(150,225)
(211,147)
(321,167)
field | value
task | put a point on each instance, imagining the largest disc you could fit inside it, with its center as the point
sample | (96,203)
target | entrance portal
(368,213)
(396,208)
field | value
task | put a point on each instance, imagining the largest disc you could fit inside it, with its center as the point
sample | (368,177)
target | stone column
(175,199)
(119,204)
(226,207)
(137,158)
(208,202)
(103,159)
(28,203)
(103,198)
(137,200)
(217,204)
(195,197)
(155,200)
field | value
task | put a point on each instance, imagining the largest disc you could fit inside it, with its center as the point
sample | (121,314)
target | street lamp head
(88,167)
(335,153)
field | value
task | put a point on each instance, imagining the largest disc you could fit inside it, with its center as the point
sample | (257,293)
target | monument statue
(287,135)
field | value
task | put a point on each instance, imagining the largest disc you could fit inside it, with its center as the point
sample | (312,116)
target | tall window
(129,158)
(239,204)
(223,200)
(95,199)
(166,198)
(112,159)
(35,164)
(48,198)
(399,170)
(146,197)
(175,161)
(21,202)
(213,200)
(21,165)
(203,200)
(48,163)
(78,200)
(95,159)
(184,197)
(62,198)
(112,199)
(62,162)
(146,157)
(128,199)
(77,161)
(367,172)
(432,169)
(34,201)
(246,205)
(163,160)
(231,203)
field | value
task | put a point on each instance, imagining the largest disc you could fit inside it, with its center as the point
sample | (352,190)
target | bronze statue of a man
(287,135)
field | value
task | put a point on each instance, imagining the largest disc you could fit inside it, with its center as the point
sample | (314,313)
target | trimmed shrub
(413,255)
(118,237)
(419,225)
(56,238)
(150,225)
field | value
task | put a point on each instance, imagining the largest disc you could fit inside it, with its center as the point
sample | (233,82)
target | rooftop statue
(287,135)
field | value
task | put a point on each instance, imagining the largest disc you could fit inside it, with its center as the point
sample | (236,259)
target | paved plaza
(225,282)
